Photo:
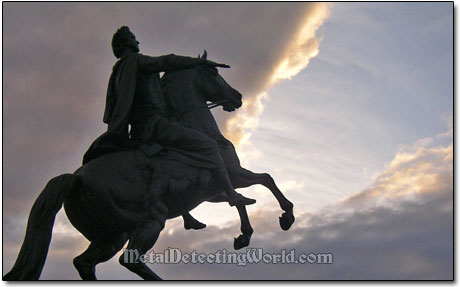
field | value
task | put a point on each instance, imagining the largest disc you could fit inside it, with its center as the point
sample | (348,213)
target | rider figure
(134,97)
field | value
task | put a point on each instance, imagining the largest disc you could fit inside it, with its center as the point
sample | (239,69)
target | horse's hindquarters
(122,190)
(111,193)
(81,217)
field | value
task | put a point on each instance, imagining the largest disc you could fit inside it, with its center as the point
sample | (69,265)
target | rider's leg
(234,198)
(177,136)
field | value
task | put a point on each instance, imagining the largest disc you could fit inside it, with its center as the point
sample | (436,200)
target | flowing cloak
(122,82)
(121,92)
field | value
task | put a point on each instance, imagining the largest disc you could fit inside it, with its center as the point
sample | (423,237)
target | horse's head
(215,89)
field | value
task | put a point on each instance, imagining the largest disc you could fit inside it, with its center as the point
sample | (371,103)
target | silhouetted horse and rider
(162,155)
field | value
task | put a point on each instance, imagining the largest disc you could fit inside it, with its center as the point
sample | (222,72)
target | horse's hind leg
(245,178)
(140,241)
(98,251)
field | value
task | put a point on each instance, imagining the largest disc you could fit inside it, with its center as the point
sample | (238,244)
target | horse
(188,107)
(128,195)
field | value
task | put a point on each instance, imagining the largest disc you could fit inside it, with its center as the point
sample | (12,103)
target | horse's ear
(205,55)
(199,56)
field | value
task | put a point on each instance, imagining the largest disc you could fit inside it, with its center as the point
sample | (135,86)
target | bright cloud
(304,45)
(294,57)
(425,169)
(401,227)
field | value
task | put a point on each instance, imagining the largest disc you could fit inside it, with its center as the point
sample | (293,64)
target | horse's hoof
(242,241)
(286,220)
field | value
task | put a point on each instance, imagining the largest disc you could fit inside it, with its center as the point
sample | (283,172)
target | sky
(349,106)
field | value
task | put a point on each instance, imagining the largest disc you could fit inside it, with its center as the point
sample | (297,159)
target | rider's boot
(191,223)
(234,198)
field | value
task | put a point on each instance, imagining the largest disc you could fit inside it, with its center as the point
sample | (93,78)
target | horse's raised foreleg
(246,229)
(98,251)
(245,178)
(140,241)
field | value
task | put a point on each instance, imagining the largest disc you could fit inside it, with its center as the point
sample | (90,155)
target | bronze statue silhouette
(129,185)
(135,98)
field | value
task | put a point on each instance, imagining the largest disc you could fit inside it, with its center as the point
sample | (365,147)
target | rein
(208,106)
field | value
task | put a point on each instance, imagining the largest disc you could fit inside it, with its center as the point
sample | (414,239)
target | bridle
(208,106)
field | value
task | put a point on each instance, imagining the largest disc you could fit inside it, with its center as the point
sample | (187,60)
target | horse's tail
(32,256)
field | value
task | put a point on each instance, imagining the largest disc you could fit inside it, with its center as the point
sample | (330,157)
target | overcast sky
(347,105)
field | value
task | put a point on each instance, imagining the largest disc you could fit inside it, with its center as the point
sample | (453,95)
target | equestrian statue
(161,156)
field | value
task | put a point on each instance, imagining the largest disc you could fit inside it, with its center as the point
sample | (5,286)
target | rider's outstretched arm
(172,62)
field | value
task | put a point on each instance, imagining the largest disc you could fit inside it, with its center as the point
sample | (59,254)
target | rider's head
(124,39)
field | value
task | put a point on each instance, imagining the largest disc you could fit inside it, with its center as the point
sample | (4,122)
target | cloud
(55,80)
(304,46)
(56,75)
(424,172)
(296,53)
(400,228)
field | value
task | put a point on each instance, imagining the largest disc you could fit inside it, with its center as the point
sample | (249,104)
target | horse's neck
(185,104)
(201,119)
(183,97)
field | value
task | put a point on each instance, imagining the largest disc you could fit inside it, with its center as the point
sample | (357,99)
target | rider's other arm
(172,62)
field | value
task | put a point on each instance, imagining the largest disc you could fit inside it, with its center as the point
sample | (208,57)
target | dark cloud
(392,237)
(375,244)
(57,59)
(380,233)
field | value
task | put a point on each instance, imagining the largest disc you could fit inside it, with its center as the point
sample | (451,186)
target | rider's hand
(214,64)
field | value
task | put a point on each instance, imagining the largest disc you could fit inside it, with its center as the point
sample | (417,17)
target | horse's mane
(179,89)
(178,76)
